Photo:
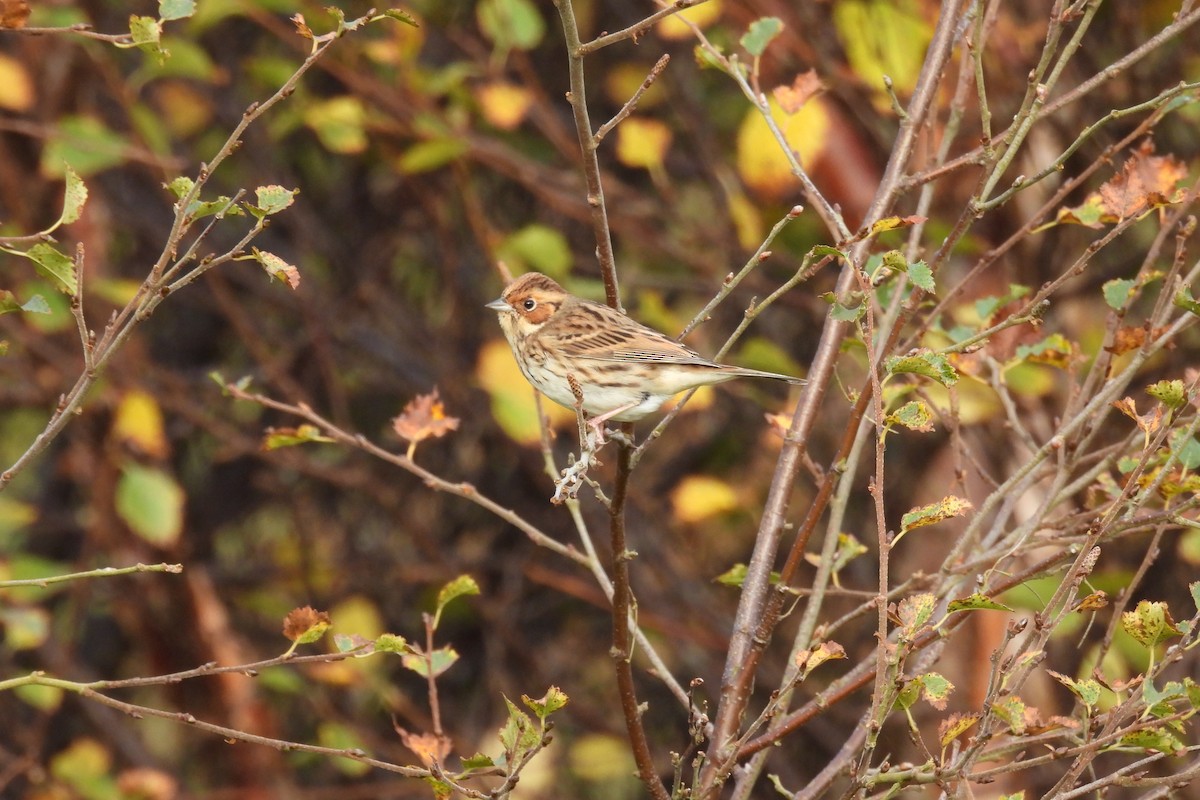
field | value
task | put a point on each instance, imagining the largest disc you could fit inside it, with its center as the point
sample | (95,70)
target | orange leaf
(792,98)
(1145,181)
(300,621)
(431,748)
(13,13)
(423,417)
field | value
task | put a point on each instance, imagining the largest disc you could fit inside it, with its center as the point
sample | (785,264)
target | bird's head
(528,302)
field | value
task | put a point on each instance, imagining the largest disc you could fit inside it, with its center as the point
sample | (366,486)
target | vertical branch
(622,596)
(622,651)
(746,642)
(588,144)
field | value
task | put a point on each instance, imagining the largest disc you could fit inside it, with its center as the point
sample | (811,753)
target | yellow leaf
(674,27)
(884,39)
(600,758)
(642,142)
(185,111)
(622,80)
(512,397)
(746,221)
(760,160)
(503,104)
(139,424)
(339,123)
(400,45)
(698,497)
(16,90)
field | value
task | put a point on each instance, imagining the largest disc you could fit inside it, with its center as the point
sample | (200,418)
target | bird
(623,369)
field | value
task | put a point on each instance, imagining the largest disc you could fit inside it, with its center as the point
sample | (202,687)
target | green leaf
(477,762)
(946,508)
(441,659)
(976,602)
(340,123)
(431,155)
(313,634)
(34,305)
(935,689)
(1184,300)
(462,586)
(84,143)
(1087,690)
(908,695)
(1118,291)
(43,698)
(273,199)
(760,33)
(511,24)
(55,266)
(547,704)
(290,437)
(841,313)
(74,197)
(1194,588)
(914,415)
(1011,710)
(1158,739)
(985,307)
(400,16)
(954,726)
(922,276)
(827,250)
(343,737)
(24,628)
(519,734)
(151,503)
(1170,393)
(1150,623)
(146,32)
(181,186)
(931,365)
(537,248)
(914,612)
(735,576)
(391,643)
(276,267)
(175,9)
(1055,350)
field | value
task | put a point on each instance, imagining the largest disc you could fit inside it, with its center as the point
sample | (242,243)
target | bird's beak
(499,304)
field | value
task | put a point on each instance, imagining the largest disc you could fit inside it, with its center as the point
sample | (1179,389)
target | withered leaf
(1145,181)
(430,748)
(423,417)
(305,624)
(14,13)
(803,88)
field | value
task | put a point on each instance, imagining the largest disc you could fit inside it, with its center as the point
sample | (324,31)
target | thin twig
(632,102)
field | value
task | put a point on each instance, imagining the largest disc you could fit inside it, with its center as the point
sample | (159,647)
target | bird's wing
(598,333)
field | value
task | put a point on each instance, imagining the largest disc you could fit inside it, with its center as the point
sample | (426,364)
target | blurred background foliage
(424,157)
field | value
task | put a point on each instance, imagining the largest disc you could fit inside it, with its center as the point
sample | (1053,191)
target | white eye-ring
(529,304)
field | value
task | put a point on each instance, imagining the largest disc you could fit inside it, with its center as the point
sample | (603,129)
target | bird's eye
(530,304)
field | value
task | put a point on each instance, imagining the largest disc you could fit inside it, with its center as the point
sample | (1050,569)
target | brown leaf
(423,417)
(431,748)
(1127,340)
(1145,181)
(804,86)
(13,13)
(301,620)
(302,26)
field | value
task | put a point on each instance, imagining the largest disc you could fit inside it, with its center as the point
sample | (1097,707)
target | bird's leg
(597,423)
